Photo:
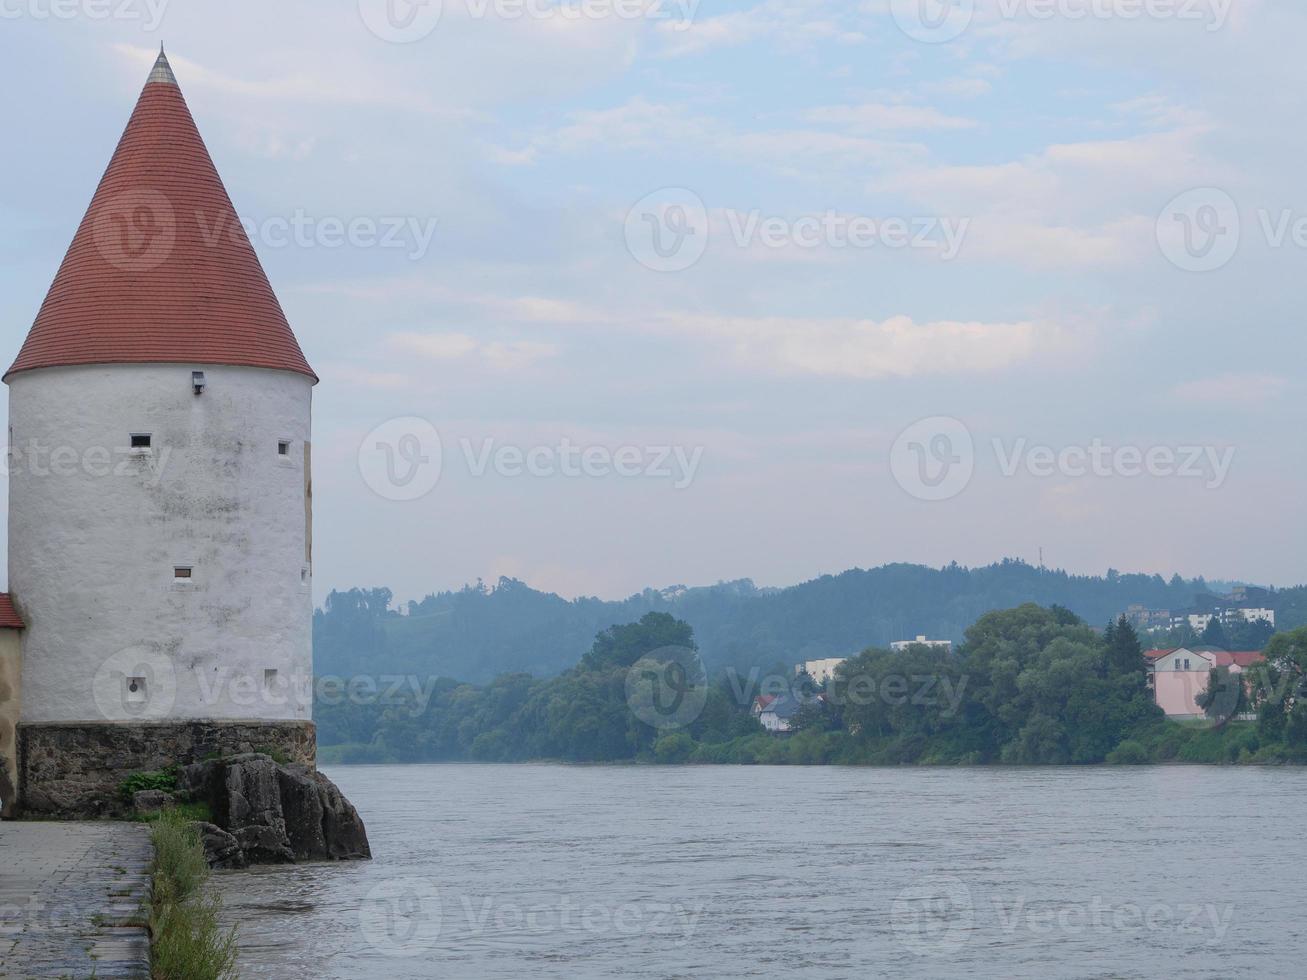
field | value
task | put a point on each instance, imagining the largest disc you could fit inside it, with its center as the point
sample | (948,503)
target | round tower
(160,522)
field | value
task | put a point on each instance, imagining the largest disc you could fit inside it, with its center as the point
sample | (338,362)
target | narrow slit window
(304,576)
(141,440)
(283,447)
(269,679)
(181,572)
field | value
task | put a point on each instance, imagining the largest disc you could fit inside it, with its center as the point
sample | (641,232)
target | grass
(185,811)
(186,942)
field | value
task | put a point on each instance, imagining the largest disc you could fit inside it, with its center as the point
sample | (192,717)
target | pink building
(1178,676)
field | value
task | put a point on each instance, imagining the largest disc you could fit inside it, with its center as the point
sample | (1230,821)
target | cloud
(642,126)
(1231,391)
(791,24)
(873,116)
(497,355)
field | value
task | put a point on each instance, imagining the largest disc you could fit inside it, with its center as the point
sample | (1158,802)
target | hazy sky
(739,252)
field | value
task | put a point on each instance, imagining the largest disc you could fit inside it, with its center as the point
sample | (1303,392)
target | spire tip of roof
(162,71)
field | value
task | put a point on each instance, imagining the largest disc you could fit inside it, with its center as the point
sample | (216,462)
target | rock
(151,800)
(221,849)
(277,814)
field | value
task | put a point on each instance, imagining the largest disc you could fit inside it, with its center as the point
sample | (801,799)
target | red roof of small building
(1244,658)
(1159,654)
(160,269)
(9,618)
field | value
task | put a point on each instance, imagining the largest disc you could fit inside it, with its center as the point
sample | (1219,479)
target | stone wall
(11,672)
(74,771)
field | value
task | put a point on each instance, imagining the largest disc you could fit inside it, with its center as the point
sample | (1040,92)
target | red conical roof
(160,269)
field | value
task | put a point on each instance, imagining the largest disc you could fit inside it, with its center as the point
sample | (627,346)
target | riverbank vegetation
(186,941)
(1028,686)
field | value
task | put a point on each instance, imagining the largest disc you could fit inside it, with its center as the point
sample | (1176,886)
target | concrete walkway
(71,900)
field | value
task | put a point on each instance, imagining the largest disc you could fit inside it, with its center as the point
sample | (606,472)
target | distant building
(775,712)
(819,670)
(1178,676)
(898,646)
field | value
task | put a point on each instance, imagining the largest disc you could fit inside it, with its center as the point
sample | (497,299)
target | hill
(480,632)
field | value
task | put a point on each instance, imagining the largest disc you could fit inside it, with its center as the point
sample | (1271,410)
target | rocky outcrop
(221,849)
(74,771)
(275,814)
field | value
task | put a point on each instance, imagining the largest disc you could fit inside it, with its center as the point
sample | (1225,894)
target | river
(823,872)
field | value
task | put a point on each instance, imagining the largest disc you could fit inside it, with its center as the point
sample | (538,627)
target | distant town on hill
(481,632)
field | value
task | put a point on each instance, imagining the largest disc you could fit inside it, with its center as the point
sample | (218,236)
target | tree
(1214,634)
(1125,655)
(1223,697)
(622,646)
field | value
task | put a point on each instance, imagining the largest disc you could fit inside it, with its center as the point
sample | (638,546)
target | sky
(635,293)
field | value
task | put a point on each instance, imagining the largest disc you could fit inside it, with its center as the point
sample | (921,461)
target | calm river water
(723,871)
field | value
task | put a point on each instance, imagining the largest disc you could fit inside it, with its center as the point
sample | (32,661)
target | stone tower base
(74,770)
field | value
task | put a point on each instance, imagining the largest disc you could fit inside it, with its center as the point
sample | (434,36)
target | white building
(160,503)
(820,671)
(900,645)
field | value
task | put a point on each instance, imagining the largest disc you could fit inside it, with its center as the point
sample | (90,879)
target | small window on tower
(283,447)
(269,680)
(304,575)
(181,572)
(136,692)
(141,440)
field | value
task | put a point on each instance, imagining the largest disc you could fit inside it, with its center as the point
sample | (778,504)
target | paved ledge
(71,898)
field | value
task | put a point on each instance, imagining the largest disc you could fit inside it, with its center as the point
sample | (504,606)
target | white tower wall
(97,531)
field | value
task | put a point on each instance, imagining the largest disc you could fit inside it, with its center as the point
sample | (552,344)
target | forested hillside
(480,632)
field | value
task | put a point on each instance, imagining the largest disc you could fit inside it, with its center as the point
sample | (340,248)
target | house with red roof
(1178,676)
